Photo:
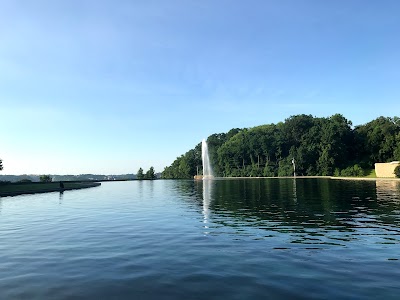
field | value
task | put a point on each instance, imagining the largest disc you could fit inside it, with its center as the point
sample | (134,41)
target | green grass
(39,187)
(371,174)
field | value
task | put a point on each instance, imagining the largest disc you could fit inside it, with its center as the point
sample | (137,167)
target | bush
(336,173)
(45,178)
(268,171)
(397,171)
(25,180)
(285,168)
(353,171)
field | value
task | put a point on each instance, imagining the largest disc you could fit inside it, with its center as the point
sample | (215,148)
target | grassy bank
(14,189)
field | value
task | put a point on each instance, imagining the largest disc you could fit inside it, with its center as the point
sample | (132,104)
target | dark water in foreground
(225,239)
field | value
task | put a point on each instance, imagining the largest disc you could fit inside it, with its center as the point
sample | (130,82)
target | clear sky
(106,87)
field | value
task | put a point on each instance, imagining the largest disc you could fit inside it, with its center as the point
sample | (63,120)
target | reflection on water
(207,192)
(61,197)
(387,189)
(230,239)
(309,212)
(294,190)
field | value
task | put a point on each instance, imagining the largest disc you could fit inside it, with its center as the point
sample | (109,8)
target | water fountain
(207,170)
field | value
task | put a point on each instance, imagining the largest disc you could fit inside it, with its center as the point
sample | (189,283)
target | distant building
(386,170)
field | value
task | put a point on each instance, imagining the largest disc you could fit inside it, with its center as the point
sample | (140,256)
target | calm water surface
(221,239)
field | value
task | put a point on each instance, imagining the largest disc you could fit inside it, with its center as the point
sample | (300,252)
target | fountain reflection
(207,192)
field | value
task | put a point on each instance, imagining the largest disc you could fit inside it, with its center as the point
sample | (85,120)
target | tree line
(150,174)
(328,146)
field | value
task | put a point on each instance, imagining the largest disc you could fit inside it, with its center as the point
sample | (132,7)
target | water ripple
(240,239)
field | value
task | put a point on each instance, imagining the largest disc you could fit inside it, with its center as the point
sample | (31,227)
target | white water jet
(207,170)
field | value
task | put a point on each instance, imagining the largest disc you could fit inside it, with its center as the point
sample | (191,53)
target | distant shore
(16,189)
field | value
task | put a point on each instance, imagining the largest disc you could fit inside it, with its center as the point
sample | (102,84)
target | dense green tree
(396,152)
(215,141)
(150,174)
(379,140)
(295,128)
(320,146)
(45,178)
(185,166)
(334,144)
(397,171)
(140,174)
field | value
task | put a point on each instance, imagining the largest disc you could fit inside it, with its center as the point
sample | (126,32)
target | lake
(219,239)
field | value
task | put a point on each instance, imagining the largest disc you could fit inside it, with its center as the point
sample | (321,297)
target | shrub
(336,173)
(269,171)
(397,171)
(45,178)
(353,171)
(25,180)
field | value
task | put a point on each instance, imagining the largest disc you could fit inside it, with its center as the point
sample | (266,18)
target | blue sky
(111,86)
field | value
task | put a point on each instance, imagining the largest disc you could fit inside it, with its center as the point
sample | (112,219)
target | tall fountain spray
(207,170)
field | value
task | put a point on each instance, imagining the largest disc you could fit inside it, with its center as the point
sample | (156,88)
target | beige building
(386,169)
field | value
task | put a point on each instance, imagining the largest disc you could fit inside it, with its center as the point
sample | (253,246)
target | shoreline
(321,177)
(366,178)
(46,188)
